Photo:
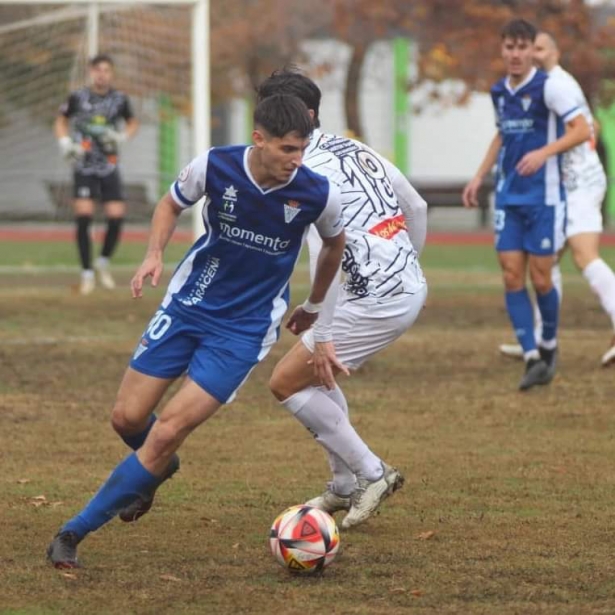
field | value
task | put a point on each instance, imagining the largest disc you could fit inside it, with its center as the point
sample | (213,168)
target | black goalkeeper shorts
(103,189)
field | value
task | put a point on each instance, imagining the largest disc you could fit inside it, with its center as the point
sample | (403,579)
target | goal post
(161,52)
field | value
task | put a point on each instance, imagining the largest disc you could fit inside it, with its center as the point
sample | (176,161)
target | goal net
(44,51)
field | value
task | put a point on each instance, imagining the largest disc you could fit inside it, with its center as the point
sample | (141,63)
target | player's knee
(123,424)
(278,385)
(542,282)
(512,280)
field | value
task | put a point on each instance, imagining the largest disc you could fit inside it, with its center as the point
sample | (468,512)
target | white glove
(113,136)
(69,149)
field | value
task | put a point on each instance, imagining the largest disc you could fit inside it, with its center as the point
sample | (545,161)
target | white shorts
(360,330)
(584,213)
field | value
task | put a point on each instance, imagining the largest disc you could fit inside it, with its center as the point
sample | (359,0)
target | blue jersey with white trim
(529,117)
(235,277)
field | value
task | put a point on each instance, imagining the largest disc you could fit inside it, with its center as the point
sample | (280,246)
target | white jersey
(380,261)
(581,165)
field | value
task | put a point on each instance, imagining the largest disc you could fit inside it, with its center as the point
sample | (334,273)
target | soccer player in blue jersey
(532,112)
(224,304)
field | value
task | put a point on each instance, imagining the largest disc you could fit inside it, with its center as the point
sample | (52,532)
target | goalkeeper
(88,132)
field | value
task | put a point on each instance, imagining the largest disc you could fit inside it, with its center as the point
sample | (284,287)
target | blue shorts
(533,229)
(171,346)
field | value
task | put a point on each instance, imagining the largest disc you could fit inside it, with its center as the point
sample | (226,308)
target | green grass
(464,258)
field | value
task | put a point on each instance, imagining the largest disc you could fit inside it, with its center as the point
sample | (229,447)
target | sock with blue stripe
(548,304)
(520,312)
(135,441)
(128,481)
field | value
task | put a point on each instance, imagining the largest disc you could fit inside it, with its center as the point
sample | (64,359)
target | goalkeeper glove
(114,137)
(69,149)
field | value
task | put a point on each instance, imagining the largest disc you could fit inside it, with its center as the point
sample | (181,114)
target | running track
(139,235)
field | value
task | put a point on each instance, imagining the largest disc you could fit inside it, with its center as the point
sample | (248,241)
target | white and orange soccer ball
(304,539)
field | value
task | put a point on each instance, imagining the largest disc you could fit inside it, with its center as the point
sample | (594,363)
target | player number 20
(158,325)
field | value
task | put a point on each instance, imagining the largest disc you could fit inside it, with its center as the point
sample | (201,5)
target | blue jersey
(529,117)
(234,279)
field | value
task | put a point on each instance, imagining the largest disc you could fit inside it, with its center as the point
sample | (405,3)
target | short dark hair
(99,59)
(519,29)
(281,114)
(290,80)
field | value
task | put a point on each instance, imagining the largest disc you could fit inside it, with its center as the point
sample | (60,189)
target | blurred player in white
(384,291)
(585,183)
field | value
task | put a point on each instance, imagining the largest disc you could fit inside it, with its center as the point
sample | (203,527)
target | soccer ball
(304,539)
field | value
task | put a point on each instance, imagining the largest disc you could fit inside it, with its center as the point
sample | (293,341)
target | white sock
(87,274)
(556,277)
(102,262)
(602,281)
(343,480)
(332,429)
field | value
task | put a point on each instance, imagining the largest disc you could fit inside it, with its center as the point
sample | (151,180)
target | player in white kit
(383,293)
(585,183)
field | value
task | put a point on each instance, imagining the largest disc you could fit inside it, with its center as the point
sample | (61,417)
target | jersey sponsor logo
(229,200)
(230,193)
(389,228)
(206,277)
(254,241)
(526,101)
(501,103)
(518,125)
(291,209)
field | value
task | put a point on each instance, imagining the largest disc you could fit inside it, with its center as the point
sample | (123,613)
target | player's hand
(470,192)
(531,162)
(150,267)
(300,320)
(114,137)
(69,149)
(326,364)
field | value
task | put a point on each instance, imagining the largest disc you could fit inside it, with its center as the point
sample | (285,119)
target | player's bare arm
(327,267)
(164,221)
(132,125)
(577,131)
(470,192)
(61,127)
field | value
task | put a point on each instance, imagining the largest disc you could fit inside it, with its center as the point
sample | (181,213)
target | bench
(138,209)
(448,194)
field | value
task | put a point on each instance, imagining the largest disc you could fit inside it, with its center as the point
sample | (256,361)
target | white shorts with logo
(362,329)
(584,213)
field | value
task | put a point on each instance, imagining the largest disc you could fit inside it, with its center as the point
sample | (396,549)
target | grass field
(509,502)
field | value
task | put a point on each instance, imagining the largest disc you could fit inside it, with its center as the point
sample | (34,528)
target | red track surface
(139,235)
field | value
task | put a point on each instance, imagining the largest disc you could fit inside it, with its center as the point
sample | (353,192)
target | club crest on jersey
(291,209)
(526,101)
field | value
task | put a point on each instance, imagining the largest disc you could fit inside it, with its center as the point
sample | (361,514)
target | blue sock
(521,314)
(548,304)
(129,480)
(135,441)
